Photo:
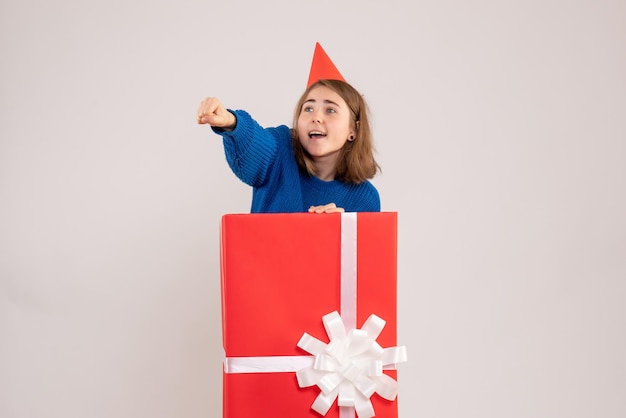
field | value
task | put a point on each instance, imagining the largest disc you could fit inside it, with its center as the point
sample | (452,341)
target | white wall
(501,130)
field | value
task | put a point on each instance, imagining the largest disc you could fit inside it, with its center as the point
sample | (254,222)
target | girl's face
(324,124)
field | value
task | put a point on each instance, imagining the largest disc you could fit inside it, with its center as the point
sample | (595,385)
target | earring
(351,138)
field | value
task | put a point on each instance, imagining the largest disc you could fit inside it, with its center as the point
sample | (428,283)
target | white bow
(350,367)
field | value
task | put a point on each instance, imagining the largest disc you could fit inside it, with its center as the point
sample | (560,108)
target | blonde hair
(356,161)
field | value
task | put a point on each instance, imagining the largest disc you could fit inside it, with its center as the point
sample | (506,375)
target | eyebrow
(324,101)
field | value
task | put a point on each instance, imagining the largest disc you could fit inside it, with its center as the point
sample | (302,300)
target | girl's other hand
(212,112)
(328,208)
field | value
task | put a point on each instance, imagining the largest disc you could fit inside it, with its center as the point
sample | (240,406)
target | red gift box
(280,274)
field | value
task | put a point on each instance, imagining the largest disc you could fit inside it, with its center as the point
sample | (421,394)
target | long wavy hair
(356,161)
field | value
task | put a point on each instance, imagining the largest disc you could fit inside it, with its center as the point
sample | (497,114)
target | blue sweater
(264,159)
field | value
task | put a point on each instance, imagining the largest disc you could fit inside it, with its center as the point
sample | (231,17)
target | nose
(316,117)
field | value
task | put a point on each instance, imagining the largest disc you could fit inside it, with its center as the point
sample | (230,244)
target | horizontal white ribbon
(276,364)
(267,364)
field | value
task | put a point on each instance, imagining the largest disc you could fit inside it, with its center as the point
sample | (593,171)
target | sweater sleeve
(250,149)
(363,198)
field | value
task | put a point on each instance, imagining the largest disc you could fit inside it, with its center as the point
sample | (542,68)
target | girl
(321,165)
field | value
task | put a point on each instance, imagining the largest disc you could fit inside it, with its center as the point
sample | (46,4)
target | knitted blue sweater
(264,159)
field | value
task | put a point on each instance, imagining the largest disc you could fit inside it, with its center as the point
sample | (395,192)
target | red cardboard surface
(280,275)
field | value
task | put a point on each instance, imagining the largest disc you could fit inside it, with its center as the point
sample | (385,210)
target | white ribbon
(274,364)
(348,269)
(348,368)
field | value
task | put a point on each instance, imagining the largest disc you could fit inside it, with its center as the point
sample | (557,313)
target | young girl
(321,165)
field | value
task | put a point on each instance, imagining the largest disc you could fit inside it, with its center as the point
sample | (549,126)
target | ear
(352,135)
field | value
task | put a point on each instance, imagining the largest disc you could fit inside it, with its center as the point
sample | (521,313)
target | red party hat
(322,67)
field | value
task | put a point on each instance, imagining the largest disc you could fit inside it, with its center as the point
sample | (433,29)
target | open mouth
(316,134)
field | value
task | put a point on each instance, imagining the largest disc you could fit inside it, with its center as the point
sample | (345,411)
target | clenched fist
(212,112)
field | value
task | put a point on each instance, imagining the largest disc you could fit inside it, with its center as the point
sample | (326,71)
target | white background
(501,130)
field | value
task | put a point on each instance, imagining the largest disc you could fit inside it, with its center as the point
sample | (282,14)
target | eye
(331,110)
(307,109)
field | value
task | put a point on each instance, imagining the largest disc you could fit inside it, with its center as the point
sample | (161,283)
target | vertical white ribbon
(347,412)
(348,283)
(348,269)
